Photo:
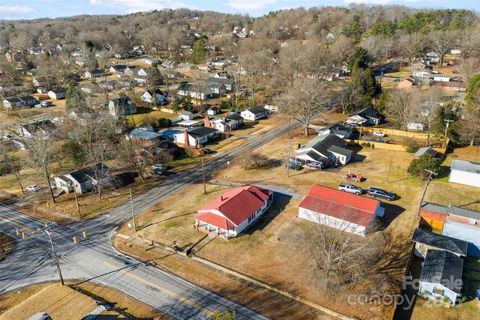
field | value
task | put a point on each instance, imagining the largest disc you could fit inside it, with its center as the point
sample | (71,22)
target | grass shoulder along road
(64,302)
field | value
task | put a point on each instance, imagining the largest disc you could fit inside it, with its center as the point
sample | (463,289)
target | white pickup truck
(350,188)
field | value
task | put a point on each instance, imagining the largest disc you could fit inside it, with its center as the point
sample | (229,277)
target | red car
(353,177)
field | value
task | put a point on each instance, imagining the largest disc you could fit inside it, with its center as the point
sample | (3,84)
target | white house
(83,180)
(160,97)
(442,78)
(142,72)
(254,113)
(19,102)
(195,137)
(43,128)
(324,149)
(465,172)
(343,211)
(234,211)
(415,126)
(94,74)
(441,276)
(121,106)
(57,94)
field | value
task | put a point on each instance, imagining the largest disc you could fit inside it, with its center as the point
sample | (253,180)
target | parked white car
(378,134)
(32,188)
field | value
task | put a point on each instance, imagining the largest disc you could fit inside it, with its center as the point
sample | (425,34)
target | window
(438,291)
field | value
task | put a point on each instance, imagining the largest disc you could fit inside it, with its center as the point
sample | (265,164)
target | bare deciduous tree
(400,108)
(305,100)
(442,42)
(41,157)
(339,254)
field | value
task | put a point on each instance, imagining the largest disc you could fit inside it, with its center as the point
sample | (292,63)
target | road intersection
(94,259)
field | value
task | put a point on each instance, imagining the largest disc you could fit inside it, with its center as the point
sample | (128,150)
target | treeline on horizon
(168,29)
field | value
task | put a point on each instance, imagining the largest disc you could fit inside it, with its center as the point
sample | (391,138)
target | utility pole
(76,203)
(447,125)
(430,174)
(133,211)
(289,147)
(203,178)
(54,253)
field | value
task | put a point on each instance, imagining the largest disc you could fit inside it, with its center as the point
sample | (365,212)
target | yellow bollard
(23,235)
(74,239)
(84,234)
(18,232)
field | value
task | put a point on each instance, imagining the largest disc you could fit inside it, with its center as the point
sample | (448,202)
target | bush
(163,123)
(73,151)
(226,105)
(419,166)
(251,160)
(5,169)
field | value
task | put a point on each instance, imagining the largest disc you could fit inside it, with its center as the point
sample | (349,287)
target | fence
(383,146)
(400,133)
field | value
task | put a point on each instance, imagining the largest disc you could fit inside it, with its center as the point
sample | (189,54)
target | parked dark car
(380,193)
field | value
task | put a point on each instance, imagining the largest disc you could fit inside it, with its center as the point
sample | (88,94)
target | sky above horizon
(30,9)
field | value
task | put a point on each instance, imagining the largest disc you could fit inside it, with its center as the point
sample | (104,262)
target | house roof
(369,112)
(201,131)
(238,204)
(119,67)
(143,134)
(322,144)
(466,166)
(444,268)
(234,116)
(45,125)
(340,205)
(440,241)
(451,210)
(425,150)
(221,80)
(88,173)
(121,101)
(257,110)
(13,99)
(215,220)
(340,150)
(59,91)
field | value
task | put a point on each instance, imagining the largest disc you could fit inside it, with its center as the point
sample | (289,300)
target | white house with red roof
(234,211)
(344,211)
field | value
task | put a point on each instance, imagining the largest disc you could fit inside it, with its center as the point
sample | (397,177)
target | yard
(63,302)
(469,309)
(277,239)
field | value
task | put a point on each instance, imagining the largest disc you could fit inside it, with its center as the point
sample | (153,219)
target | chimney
(221,198)
(207,121)
(186,143)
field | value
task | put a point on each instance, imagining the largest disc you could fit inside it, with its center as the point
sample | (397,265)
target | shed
(465,172)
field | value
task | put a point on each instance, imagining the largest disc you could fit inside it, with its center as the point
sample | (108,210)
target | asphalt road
(94,259)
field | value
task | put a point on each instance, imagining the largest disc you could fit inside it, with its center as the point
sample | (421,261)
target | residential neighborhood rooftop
(444,268)
(440,242)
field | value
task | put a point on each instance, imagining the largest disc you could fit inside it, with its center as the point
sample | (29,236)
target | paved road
(95,258)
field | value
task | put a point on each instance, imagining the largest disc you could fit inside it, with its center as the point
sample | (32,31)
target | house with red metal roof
(234,211)
(344,211)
